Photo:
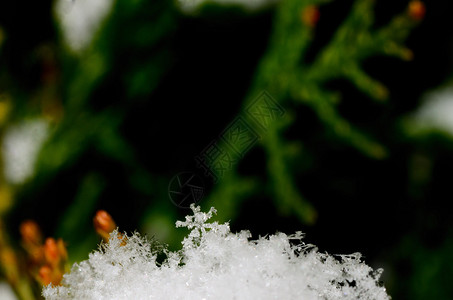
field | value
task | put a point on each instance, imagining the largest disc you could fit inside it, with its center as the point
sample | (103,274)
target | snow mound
(215,263)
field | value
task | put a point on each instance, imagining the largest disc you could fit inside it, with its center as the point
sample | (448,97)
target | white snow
(215,263)
(6,292)
(20,148)
(436,110)
(80,20)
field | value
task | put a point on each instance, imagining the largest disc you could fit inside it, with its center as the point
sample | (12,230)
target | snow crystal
(215,263)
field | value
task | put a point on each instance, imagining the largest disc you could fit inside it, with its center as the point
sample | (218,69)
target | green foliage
(284,72)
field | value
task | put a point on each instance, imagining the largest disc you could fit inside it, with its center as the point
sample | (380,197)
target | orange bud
(51,252)
(62,250)
(104,224)
(417,10)
(31,234)
(45,275)
(310,15)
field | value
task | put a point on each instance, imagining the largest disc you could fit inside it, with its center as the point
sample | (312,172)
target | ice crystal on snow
(215,263)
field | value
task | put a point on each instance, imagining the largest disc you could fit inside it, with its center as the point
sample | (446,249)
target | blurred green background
(103,103)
